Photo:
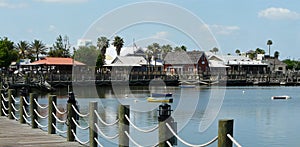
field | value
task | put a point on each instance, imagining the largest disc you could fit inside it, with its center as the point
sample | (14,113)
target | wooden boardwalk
(14,134)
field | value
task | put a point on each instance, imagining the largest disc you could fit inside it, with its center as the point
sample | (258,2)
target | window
(280,68)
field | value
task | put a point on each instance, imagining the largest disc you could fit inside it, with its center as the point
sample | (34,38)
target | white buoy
(243,91)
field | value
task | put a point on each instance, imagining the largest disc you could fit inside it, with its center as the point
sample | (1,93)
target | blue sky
(234,24)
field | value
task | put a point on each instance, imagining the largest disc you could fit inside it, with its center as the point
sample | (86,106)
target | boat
(159,100)
(161,94)
(282,97)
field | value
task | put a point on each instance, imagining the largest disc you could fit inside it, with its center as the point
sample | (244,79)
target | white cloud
(221,29)
(162,34)
(62,1)
(278,14)
(53,29)
(6,4)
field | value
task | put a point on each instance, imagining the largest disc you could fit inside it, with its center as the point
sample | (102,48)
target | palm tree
(215,50)
(37,48)
(118,43)
(269,43)
(237,51)
(276,54)
(23,48)
(103,44)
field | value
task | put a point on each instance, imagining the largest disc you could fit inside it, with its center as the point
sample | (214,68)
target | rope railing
(139,129)
(76,137)
(105,136)
(78,126)
(39,115)
(13,115)
(233,140)
(169,144)
(103,122)
(3,97)
(4,107)
(40,125)
(58,130)
(17,101)
(99,144)
(57,119)
(78,113)
(57,110)
(25,112)
(42,107)
(26,102)
(132,140)
(188,144)
(26,120)
(13,106)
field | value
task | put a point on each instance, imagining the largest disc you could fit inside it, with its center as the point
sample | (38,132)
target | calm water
(258,120)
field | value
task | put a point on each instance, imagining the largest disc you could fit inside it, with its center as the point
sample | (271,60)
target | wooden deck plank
(14,134)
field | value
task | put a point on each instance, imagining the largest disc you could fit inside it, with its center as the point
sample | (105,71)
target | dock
(12,134)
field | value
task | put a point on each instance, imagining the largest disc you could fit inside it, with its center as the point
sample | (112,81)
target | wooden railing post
(71,114)
(51,110)
(23,95)
(123,125)
(92,120)
(1,99)
(33,106)
(11,102)
(225,127)
(164,132)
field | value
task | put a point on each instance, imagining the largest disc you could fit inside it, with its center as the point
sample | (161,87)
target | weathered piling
(33,106)
(123,125)
(225,127)
(71,114)
(23,95)
(11,103)
(92,121)
(51,110)
(165,134)
(1,99)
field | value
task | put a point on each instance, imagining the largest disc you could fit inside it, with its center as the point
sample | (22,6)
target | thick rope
(28,122)
(81,115)
(12,96)
(233,140)
(82,128)
(169,144)
(4,112)
(5,108)
(103,122)
(81,142)
(37,103)
(14,107)
(26,114)
(26,102)
(57,110)
(39,115)
(57,119)
(133,141)
(6,100)
(99,144)
(14,116)
(139,129)
(188,144)
(58,130)
(40,125)
(107,137)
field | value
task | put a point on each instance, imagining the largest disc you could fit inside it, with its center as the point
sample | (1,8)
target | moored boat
(282,97)
(161,94)
(159,100)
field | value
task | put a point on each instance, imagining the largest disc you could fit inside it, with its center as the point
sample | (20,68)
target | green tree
(215,50)
(259,51)
(118,44)
(103,44)
(238,52)
(269,43)
(61,48)
(87,55)
(23,48)
(8,53)
(276,54)
(37,48)
(180,49)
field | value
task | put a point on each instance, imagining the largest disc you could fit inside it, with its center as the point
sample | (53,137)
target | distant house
(186,63)
(275,65)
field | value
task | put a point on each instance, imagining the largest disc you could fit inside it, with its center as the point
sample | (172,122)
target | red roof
(56,61)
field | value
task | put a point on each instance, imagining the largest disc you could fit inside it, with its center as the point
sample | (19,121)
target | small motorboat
(282,97)
(161,94)
(160,100)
